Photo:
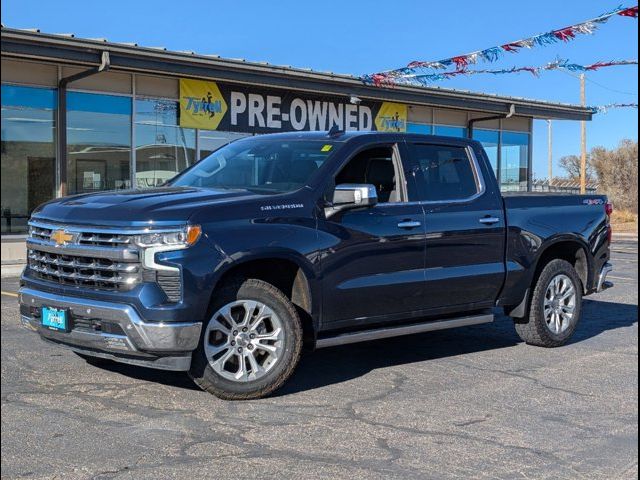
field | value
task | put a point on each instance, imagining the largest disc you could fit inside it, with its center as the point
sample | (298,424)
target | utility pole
(583,128)
(550,151)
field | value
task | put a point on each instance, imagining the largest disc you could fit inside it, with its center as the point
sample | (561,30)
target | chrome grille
(94,257)
(88,237)
(40,233)
(84,271)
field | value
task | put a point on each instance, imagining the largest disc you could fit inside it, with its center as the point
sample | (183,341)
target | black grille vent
(171,284)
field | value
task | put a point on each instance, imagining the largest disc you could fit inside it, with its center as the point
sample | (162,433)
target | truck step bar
(387,332)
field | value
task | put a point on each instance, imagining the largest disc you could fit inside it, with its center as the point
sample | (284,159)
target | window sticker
(326,148)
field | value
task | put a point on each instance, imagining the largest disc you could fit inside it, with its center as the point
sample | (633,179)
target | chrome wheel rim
(244,340)
(560,304)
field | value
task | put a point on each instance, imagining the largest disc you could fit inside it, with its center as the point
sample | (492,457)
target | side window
(447,172)
(375,166)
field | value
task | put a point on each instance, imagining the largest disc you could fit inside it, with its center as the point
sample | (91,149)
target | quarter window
(447,172)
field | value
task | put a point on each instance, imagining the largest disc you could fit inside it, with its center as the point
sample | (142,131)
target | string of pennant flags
(559,64)
(461,62)
(612,106)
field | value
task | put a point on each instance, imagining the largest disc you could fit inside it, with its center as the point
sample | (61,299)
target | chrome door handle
(409,224)
(489,220)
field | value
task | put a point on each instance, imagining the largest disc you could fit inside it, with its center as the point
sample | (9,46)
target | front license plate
(55,318)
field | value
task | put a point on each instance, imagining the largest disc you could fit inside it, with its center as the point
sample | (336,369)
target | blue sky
(365,36)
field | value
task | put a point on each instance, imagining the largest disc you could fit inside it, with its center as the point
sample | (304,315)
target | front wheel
(250,344)
(555,308)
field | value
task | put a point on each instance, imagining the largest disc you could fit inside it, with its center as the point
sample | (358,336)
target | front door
(374,262)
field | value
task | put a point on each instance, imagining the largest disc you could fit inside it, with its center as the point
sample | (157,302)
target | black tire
(209,380)
(533,328)
(95,361)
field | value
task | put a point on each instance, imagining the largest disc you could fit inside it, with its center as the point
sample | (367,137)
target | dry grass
(624,221)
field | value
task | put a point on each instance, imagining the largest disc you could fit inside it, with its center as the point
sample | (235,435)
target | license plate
(55,318)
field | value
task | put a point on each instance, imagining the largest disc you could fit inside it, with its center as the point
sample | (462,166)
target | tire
(535,329)
(256,318)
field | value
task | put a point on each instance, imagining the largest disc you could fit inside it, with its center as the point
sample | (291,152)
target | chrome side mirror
(352,195)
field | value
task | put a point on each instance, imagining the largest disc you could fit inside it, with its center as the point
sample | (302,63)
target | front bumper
(114,331)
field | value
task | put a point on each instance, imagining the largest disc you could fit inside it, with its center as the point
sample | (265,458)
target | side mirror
(352,195)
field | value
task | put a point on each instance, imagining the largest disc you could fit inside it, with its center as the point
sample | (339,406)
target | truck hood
(136,208)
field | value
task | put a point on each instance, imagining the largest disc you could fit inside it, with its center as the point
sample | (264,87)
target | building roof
(68,49)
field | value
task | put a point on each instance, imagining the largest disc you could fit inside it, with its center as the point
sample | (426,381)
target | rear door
(464,226)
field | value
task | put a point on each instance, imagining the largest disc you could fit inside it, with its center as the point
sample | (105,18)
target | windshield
(259,164)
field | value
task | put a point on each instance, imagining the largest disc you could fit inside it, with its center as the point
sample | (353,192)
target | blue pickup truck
(278,242)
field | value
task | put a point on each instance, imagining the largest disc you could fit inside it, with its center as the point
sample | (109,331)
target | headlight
(177,238)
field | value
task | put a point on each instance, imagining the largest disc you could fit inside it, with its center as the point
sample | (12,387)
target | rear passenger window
(447,172)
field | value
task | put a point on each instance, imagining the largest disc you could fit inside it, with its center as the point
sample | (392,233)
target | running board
(365,336)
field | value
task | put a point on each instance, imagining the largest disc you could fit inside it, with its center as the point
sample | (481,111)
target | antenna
(335,131)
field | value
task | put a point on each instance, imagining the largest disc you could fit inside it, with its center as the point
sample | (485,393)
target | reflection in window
(446,172)
(515,161)
(490,141)
(162,147)
(28,153)
(211,140)
(446,131)
(98,142)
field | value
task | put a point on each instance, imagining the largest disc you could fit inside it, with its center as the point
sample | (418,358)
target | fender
(519,281)
(305,265)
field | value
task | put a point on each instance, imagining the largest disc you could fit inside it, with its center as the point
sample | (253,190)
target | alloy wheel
(244,340)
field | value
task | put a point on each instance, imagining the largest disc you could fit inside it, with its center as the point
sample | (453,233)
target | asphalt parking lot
(470,403)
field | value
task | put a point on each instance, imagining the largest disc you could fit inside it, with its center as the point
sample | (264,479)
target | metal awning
(67,49)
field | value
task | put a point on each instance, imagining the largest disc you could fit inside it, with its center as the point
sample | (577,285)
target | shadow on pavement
(164,377)
(340,364)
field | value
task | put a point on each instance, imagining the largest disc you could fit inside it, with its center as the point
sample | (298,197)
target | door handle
(489,220)
(409,224)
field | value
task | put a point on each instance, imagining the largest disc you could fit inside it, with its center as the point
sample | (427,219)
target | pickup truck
(278,242)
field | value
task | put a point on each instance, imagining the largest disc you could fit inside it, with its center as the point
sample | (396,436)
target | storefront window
(28,153)
(490,140)
(211,140)
(98,142)
(162,147)
(447,131)
(514,161)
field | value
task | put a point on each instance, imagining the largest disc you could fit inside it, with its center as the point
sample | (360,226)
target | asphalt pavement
(474,402)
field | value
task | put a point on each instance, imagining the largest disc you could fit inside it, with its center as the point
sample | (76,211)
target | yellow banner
(201,104)
(392,117)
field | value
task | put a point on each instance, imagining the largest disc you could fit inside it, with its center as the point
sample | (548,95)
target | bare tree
(572,165)
(617,172)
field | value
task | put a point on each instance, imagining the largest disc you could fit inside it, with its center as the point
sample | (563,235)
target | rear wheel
(250,344)
(556,306)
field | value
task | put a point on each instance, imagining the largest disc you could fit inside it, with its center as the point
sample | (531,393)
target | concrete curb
(12,270)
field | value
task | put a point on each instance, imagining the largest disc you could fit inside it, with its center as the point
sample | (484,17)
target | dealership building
(83,115)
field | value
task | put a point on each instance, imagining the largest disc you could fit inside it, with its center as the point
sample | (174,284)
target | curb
(13,270)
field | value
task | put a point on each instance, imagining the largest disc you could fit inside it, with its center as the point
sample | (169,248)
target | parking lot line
(9,294)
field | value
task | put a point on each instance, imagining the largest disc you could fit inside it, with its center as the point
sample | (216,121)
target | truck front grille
(94,257)
(96,238)
(100,273)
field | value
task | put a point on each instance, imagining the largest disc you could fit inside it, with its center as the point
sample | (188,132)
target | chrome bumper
(602,278)
(127,339)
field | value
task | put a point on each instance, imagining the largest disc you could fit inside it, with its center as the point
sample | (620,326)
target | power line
(599,84)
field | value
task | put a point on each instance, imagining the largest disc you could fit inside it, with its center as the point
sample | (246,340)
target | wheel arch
(290,272)
(571,248)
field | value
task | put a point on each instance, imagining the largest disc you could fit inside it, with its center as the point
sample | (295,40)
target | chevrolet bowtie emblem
(61,237)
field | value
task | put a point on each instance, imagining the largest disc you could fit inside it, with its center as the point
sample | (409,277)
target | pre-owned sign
(216,106)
